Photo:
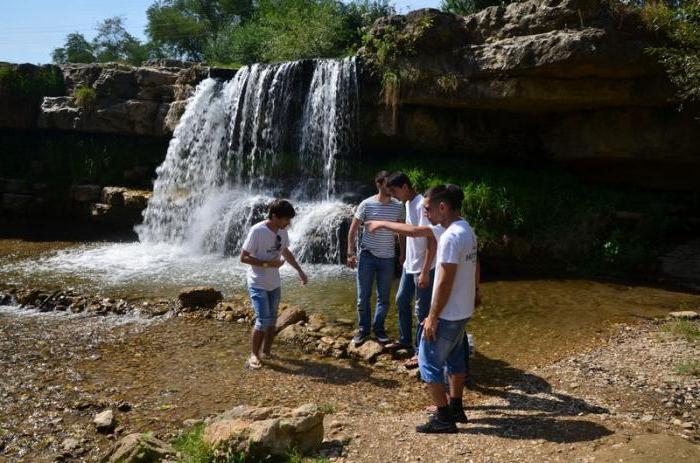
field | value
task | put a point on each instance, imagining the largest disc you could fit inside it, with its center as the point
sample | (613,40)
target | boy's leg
(365,276)
(424,298)
(385,273)
(259,300)
(273,298)
(456,374)
(404,296)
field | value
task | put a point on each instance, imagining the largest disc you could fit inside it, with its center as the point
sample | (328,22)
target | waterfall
(284,129)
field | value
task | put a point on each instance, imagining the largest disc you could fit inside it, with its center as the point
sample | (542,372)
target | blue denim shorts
(445,352)
(265,304)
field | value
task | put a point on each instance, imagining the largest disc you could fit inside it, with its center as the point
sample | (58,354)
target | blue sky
(31,29)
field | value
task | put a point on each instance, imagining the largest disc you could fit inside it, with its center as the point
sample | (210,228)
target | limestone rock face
(263,431)
(139,448)
(563,80)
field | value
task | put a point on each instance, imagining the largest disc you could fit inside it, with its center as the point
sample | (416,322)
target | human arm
(431,249)
(445,281)
(289,257)
(352,243)
(247,258)
(399,228)
(402,249)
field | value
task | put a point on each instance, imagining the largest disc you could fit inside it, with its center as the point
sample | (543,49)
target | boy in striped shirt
(377,252)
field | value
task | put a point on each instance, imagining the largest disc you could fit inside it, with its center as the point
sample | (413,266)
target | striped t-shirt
(382,242)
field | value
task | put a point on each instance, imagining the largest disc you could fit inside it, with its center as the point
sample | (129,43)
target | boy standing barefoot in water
(264,249)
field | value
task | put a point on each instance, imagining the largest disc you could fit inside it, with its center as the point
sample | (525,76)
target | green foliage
(32,84)
(85,97)
(679,24)
(75,50)
(689,368)
(112,43)
(683,328)
(183,28)
(467,7)
(191,448)
(547,217)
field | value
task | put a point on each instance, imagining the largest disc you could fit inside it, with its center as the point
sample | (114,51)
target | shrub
(85,98)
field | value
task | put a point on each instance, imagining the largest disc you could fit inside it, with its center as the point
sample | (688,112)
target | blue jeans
(265,304)
(408,290)
(370,267)
(445,352)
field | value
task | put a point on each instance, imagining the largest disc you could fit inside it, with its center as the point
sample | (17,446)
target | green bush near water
(85,97)
(550,219)
(44,81)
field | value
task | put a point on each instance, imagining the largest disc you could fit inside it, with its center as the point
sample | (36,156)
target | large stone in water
(368,351)
(263,431)
(291,333)
(290,316)
(200,297)
(139,448)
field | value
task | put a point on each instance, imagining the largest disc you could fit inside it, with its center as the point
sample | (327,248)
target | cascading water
(282,129)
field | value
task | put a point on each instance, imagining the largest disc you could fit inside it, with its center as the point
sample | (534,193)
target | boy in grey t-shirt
(265,246)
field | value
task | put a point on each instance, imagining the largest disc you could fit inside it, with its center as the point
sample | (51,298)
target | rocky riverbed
(155,370)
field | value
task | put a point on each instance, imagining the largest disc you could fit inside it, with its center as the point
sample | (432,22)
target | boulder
(290,316)
(200,297)
(368,351)
(292,333)
(263,431)
(113,196)
(104,422)
(139,448)
(684,314)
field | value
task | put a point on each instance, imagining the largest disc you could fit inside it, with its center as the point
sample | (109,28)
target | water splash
(273,130)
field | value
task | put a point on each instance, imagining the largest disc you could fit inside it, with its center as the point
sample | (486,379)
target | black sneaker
(437,426)
(359,339)
(457,415)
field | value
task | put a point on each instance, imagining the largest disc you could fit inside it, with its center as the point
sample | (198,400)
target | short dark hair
(398,179)
(381,176)
(450,194)
(281,208)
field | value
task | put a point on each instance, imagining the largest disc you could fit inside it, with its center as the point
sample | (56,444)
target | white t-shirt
(457,245)
(264,244)
(416,248)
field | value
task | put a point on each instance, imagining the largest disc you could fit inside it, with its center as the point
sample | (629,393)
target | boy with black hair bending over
(454,296)
(266,249)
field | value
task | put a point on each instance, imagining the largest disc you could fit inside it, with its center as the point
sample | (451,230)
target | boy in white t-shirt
(455,293)
(266,249)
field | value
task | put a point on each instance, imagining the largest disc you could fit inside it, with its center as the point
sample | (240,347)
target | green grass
(191,449)
(327,409)
(683,328)
(85,97)
(689,368)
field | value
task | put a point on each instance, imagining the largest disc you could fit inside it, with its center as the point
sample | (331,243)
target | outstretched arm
(289,257)
(399,228)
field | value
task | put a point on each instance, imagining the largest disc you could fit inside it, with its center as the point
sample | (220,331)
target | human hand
(276,263)
(351,261)
(303,278)
(423,280)
(372,226)
(430,325)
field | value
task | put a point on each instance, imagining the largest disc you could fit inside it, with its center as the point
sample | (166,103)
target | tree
(183,28)
(75,50)
(466,7)
(114,43)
